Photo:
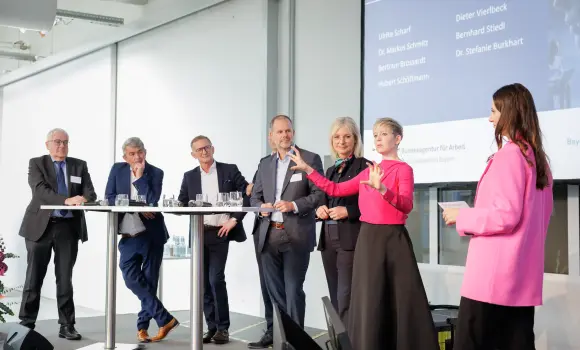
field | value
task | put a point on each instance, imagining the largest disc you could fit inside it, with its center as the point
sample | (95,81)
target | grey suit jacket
(301,227)
(42,181)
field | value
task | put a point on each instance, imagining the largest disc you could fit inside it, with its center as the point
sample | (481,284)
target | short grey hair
(51,133)
(281,117)
(133,142)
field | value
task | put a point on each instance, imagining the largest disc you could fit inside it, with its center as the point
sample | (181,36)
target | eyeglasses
(60,142)
(205,148)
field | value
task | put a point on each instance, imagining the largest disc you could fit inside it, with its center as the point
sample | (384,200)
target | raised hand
(300,163)
(375,175)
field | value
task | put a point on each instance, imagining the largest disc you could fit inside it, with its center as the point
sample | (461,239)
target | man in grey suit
(287,236)
(55,179)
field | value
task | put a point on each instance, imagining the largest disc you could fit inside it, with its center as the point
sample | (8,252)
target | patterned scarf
(339,161)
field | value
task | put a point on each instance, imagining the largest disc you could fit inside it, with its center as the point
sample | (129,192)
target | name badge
(75,179)
(296,177)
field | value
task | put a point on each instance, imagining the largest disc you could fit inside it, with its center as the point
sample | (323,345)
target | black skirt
(389,307)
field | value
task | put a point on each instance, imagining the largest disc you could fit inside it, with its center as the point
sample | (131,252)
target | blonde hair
(349,123)
(390,123)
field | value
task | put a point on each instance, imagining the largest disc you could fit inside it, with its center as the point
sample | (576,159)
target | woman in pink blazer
(508,225)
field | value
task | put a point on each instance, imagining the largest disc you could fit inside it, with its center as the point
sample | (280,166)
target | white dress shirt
(281,170)
(210,186)
(132,223)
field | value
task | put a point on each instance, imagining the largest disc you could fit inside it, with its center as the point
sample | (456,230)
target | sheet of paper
(457,205)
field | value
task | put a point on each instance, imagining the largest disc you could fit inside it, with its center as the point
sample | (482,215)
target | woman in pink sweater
(388,307)
(508,224)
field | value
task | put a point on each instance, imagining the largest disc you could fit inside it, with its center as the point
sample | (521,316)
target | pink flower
(3,268)
(1,256)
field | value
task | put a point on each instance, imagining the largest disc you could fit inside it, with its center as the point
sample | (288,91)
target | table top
(185,210)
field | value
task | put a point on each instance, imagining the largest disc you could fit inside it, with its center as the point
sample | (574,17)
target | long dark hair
(519,121)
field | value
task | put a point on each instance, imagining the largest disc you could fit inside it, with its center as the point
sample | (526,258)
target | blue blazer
(150,185)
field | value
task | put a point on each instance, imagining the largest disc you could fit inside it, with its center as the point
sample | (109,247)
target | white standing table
(196,284)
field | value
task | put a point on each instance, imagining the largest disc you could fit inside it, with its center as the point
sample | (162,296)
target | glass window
(453,248)
(418,225)
(556,260)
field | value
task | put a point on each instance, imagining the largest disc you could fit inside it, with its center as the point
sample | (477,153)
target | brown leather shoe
(164,331)
(221,337)
(143,336)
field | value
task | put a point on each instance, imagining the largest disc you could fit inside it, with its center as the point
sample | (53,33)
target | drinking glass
(166,201)
(141,198)
(122,200)
(236,199)
(200,198)
(222,200)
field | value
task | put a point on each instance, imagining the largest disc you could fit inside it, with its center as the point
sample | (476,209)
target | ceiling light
(19,56)
(94,18)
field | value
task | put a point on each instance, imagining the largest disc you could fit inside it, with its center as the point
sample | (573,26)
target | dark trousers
(61,237)
(338,269)
(268,308)
(389,307)
(216,307)
(483,326)
(285,269)
(140,262)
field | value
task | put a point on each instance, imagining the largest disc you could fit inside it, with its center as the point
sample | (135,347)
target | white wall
(327,87)
(205,74)
(77,97)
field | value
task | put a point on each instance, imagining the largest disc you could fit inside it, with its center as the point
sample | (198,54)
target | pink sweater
(392,208)
(509,222)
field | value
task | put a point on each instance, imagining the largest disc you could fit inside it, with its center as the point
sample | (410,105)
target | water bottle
(166,252)
(172,247)
(184,245)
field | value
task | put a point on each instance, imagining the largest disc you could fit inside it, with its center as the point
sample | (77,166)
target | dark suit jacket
(347,228)
(257,218)
(149,185)
(230,179)
(42,181)
(301,227)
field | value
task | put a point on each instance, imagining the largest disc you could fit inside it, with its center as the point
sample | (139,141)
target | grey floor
(243,329)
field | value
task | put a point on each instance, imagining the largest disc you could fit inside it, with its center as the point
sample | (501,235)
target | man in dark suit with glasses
(55,179)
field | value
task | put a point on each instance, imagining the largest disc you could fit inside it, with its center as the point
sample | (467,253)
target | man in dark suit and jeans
(287,236)
(211,178)
(54,179)
(142,236)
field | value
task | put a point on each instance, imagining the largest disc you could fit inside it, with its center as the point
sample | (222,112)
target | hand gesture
(322,212)
(227,227)
(76,200)
(138,169)
(375,175)
(450,215)
(300,163)
(266,205)
(338,213)
(284,206)
(249,189)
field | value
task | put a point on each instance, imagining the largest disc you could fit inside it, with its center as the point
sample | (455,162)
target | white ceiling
(69,34)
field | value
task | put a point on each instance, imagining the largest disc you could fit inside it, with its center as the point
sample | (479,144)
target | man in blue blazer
(211,178)
(143,236)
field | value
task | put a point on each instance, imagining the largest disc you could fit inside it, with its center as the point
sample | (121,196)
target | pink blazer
(508,224)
